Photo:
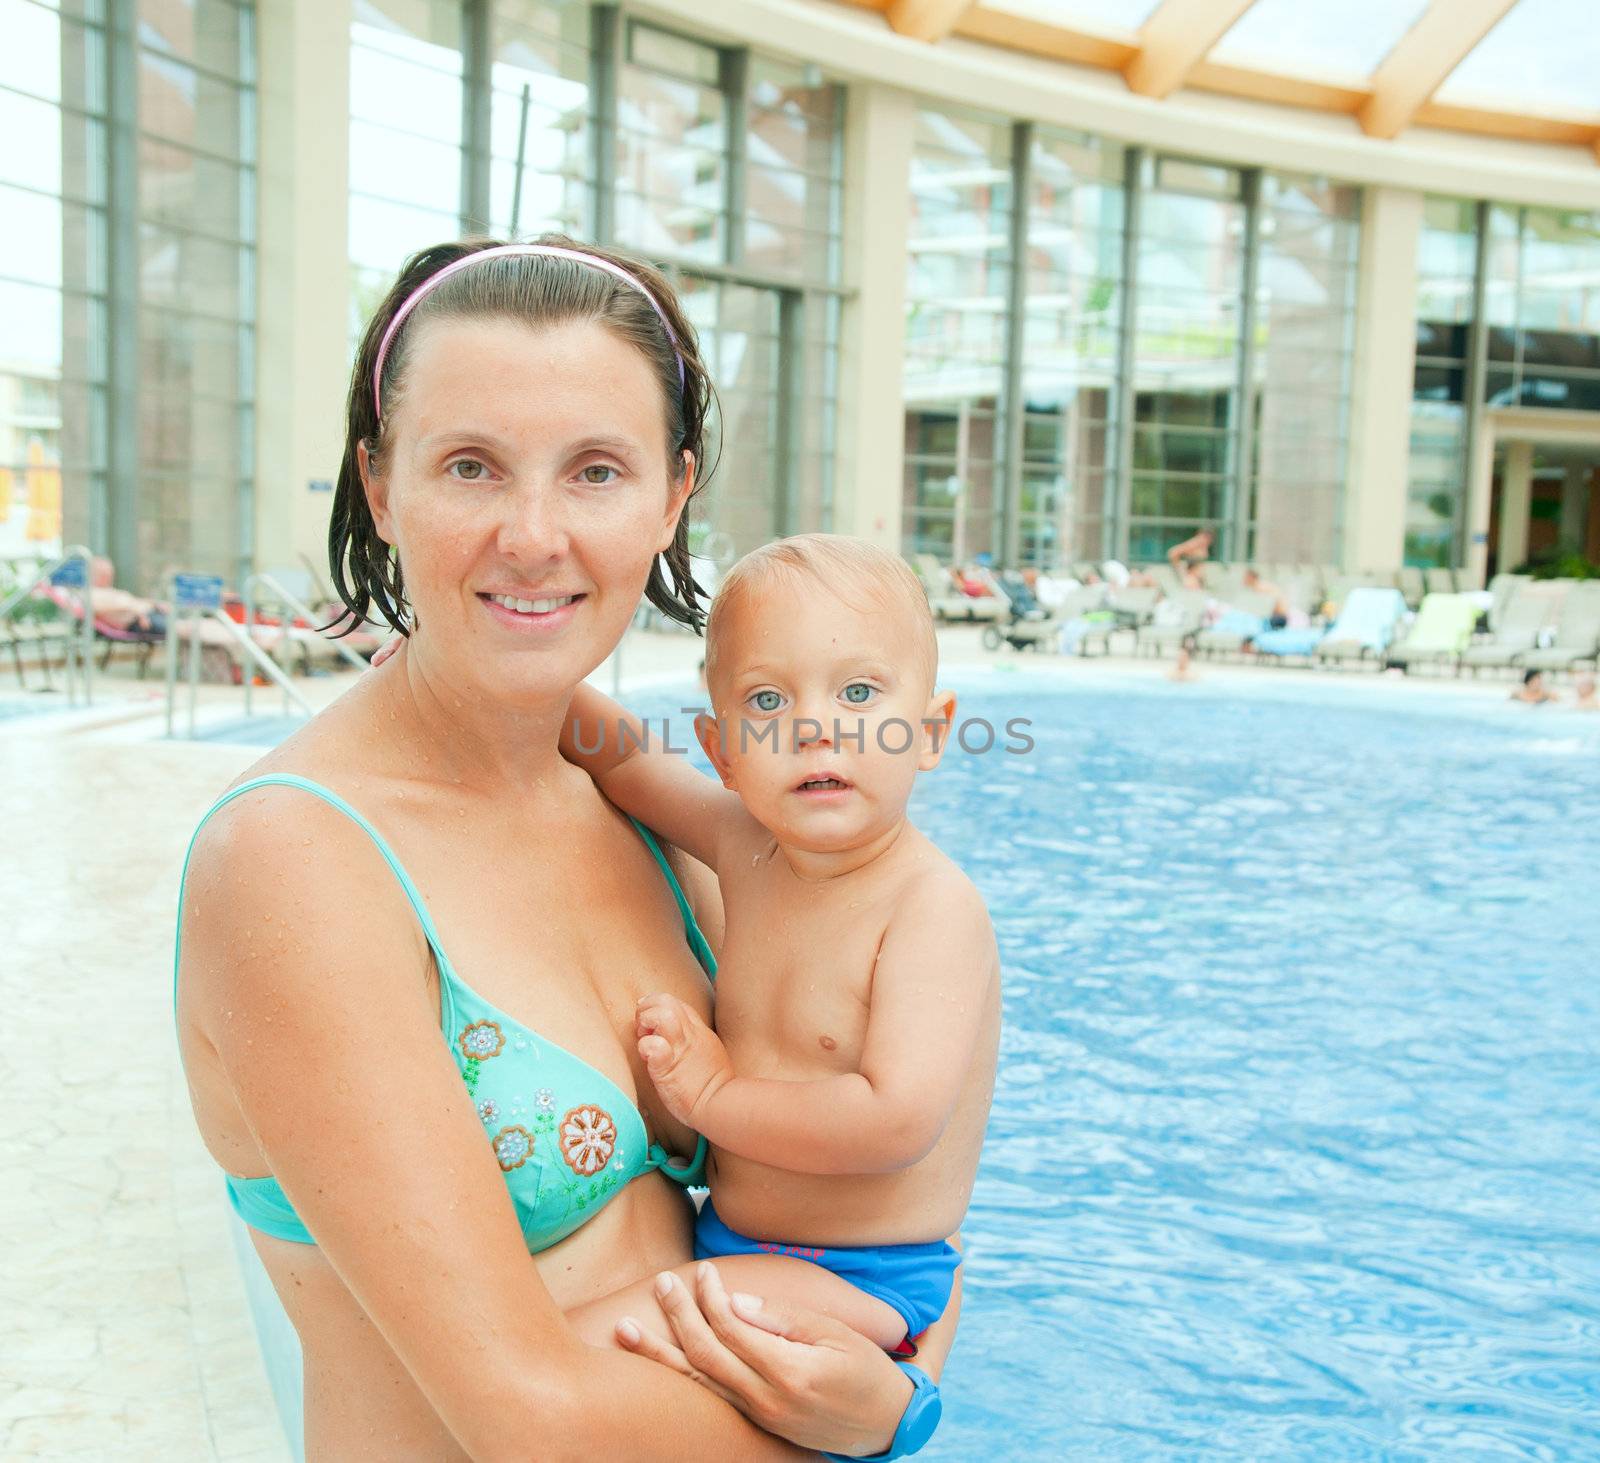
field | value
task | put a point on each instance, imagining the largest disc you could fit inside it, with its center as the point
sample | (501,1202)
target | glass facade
(956,333)
(406,94)
(720,164)
(1536,272)
(1446,274)
(1189,315)
(1301,367)
(1075,232)
(1181,332)
(197,290)
(127,184)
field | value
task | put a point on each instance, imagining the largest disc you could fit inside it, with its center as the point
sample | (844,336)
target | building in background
(1324,278)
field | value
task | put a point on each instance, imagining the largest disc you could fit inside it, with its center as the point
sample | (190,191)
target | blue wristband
(917,1423)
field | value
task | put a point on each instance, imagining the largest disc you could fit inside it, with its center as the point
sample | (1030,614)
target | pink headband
(502,251)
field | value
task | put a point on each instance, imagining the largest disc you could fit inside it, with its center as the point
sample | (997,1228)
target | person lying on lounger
(119,609)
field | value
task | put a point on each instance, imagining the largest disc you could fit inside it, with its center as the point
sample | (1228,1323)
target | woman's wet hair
(540,290)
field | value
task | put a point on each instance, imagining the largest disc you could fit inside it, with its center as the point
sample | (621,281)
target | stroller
(1025,617)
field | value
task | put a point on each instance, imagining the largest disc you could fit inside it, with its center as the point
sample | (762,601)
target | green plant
(1565,561)
(36,607)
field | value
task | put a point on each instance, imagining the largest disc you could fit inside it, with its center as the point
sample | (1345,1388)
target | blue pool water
(1295,1150)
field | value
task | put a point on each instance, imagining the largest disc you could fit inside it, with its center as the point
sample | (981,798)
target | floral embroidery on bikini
(482,1040)
(479,1042)
(545,1100)
(588,1137)
(513,1147)
(489,1110)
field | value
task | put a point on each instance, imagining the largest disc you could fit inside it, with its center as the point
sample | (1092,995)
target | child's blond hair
(835,563)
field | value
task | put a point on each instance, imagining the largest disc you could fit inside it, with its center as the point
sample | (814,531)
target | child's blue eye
(867,692)
(767,700)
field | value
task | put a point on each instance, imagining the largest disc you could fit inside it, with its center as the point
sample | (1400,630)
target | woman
(524,431)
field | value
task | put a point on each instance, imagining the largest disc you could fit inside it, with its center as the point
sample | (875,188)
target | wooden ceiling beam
(1423,58)
(925,20)
(1176,39)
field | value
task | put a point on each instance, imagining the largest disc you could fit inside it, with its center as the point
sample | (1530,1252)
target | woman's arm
(801,1375)
(328,1035)
(645,774)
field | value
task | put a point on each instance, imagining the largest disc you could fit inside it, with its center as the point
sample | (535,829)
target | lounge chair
(1045,630)
(1364,629)
(1443,626)
(1530,609)
(949,604)
(33,637)
(1577,639)
(1411,584)
(1174,622)
(1440,581)
(110,637)
(1247,617)
(1501,589)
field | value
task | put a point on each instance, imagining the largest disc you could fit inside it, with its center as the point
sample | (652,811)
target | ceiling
(1527,69)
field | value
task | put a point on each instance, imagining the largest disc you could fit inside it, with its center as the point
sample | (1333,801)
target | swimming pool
(1295,1150)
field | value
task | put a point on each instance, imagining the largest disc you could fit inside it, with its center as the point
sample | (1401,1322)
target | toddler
(846,1088)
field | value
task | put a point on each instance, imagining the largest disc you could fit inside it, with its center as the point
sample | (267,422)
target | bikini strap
(697,940)
(288,779)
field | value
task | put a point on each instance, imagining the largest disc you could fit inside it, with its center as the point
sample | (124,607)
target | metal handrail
(243,638)
(291,602)
(86,648)
(270,667)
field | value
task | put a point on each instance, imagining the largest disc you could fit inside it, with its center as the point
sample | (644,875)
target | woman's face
(527,487)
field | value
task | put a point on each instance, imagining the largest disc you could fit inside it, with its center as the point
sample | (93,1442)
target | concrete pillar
(1575,505)
(1516,503)
(302,349)
(879,126)
(1384,365)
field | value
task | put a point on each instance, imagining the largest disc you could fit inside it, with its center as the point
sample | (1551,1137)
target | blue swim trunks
(914,1279)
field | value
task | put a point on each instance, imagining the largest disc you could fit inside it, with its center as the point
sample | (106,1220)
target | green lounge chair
(1443,626)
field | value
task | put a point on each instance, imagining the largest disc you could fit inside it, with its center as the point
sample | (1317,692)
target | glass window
(540,140)
(1543,56)
(1339,39)
(1190,254)
(1070,334)
(53,253)
(956,301)
(1304,337)
(1446,266)
(672,151)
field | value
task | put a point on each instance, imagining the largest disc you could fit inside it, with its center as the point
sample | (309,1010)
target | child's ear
(708,734)
(938,721)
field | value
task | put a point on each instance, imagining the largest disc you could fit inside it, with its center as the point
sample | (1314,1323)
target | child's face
(811,686)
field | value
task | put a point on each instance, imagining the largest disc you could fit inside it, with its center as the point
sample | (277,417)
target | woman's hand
(795,1373)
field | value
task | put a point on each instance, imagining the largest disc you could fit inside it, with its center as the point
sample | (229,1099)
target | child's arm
(929,994)
(631,765)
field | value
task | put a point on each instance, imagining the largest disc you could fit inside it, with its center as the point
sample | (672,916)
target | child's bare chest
(794,981)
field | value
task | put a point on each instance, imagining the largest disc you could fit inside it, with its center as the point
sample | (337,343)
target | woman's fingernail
(664,1284)
(704,1272)
(628,1331)
(745,1303)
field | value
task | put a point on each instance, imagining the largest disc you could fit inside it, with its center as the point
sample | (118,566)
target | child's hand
(687,1062)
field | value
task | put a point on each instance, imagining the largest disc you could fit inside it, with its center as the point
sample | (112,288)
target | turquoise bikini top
(566,1136)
